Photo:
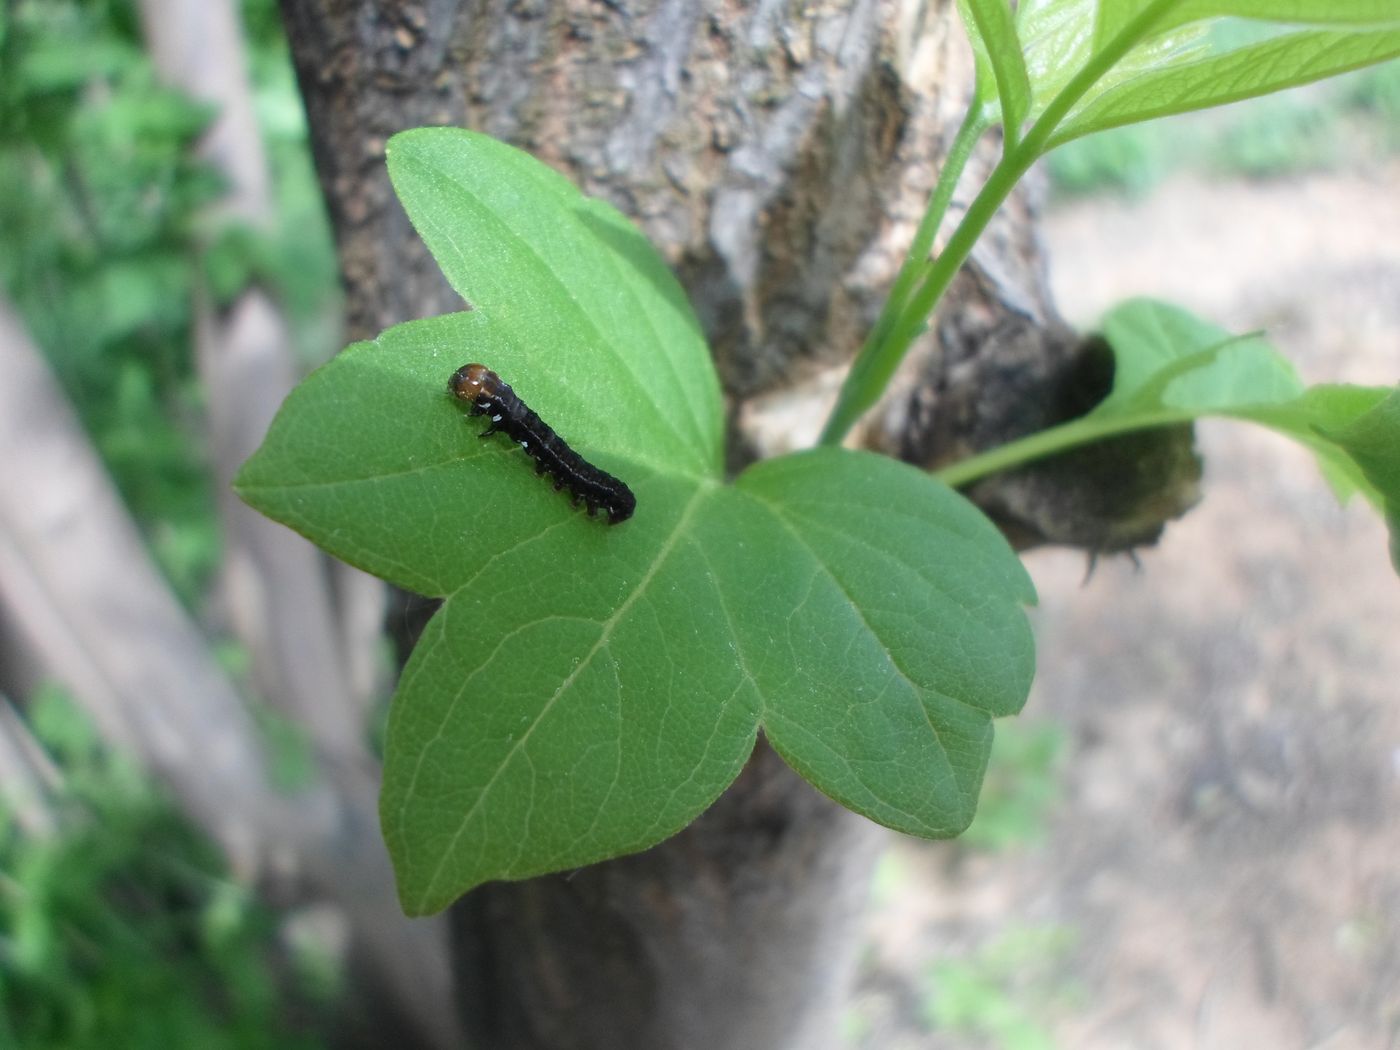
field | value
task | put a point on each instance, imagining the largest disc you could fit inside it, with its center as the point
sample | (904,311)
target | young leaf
(1166,358)
(1115,14)
(1171,367)
(1176,82)
(1055,39)
(585,691)
(1372,440)
(1001,73)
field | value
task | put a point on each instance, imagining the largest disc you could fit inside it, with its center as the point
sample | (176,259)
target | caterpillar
(489,394)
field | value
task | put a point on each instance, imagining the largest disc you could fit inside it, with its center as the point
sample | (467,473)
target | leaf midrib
(605,632)
(559,294)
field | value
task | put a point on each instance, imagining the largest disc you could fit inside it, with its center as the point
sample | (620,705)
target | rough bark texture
(780,156)
(739,932)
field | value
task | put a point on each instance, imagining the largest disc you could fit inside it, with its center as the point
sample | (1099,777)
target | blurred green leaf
(1114,15)
(55,64)
(1364,424)
(1167,358)
(1177,82)
(121,927)
(1007,992)
(1022,784)
(1001,72)
(1171,367)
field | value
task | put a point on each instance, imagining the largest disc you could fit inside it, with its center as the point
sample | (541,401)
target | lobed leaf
(552,717)
(585,691)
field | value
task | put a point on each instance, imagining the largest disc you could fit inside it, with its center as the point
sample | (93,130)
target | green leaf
(1372,440)
(1167,359)
(1001,72)
(1114,15)
(1055,38)
(1176,73)
(585,691)
(520,244)
(574,700)
(882,643)
(1171,367)
(567,705)
(1355,431)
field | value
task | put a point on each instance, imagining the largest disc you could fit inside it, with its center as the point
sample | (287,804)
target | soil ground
(1221,867)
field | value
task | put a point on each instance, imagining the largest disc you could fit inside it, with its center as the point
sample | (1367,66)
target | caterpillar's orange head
(471,382)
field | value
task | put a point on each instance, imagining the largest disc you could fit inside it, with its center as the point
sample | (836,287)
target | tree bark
(82,604)
(780,156)
(80,597)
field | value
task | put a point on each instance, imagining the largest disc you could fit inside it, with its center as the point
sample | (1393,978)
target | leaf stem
(916,259)
(916,264)
(907,311)
(1055,439)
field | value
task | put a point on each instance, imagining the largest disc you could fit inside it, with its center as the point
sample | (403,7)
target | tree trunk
(276,585)
(780,156)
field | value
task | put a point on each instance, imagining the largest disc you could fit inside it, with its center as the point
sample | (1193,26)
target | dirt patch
(1225,857)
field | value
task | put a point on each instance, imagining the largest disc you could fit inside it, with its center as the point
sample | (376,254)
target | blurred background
(1190,839)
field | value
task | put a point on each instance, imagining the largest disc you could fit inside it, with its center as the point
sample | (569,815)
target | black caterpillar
(489,394)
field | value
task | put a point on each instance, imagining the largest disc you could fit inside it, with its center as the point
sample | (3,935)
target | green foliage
(1364,425)
(1129,160)
(1377,91)
(1175,70)
(105,212)
(1092,65)
(1007,991)
(1327,127)
(97,193)
(1171,367)
(123,929)
(586,691)
(583,691)
(291,756)
(1279,136)
(1023,783)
